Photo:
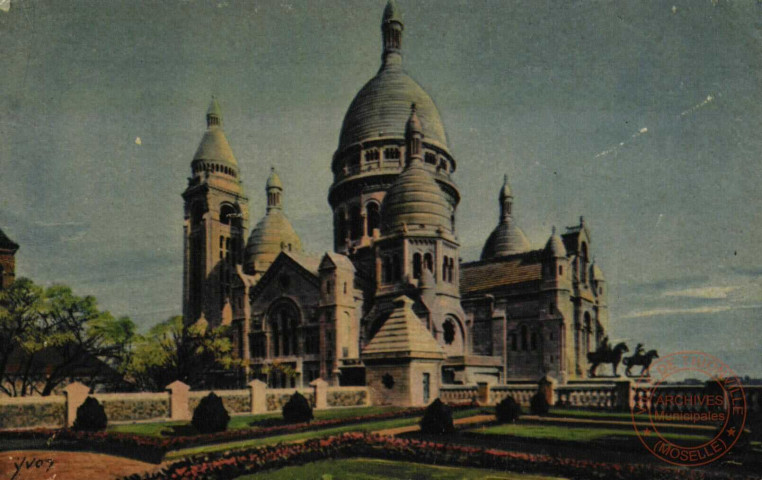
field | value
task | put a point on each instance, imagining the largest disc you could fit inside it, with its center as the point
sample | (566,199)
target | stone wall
(122,407)
(347,396)
(277,397)
(29,412)
(235,401)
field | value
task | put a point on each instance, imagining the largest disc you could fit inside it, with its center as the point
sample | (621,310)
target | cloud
(712,293)
(709,309)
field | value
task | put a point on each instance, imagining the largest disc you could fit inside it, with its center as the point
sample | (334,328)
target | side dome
(415,201)
(381,108)
(272,235)
(506,239)
(555,247)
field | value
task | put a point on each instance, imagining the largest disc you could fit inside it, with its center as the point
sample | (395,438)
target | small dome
(415,199)
(214,147)
(555,247)
(272,235)
(273,181)
(506,239)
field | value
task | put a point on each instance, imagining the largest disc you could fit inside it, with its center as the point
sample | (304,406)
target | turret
(391,28)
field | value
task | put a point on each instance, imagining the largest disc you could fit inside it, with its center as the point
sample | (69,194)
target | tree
(20,306)
(193,354)
(53,335)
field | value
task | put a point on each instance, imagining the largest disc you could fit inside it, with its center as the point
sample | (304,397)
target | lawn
(301,436)
(160,429)
(374,469)
(587,414)
(574,434)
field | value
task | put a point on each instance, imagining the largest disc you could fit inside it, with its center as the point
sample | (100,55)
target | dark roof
(500,272)
(6,243)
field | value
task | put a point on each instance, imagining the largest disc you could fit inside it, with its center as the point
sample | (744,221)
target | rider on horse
(639,350)
(605,345)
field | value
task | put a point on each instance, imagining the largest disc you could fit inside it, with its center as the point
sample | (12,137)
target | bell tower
(215,223)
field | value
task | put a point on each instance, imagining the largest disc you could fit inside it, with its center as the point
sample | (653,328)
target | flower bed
(152,449)
(234,464)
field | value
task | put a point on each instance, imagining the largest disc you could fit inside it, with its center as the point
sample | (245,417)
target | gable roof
(500,272)
(402,335)
(337,260)
(306,264)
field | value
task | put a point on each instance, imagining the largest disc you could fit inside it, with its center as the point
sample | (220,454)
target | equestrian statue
(641,358)
(607,354)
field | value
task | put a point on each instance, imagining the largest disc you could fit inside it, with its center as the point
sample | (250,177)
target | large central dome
(381,108)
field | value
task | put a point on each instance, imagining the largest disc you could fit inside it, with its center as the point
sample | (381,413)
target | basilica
(392,306)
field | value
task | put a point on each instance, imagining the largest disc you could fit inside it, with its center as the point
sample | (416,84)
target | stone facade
(517,313)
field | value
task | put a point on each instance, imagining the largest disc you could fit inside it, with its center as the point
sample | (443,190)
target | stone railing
(597,395)
(522,392)
(176,403)
(642,394)
(458,393)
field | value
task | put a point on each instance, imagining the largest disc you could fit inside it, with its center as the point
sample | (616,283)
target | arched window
(588,328)
(197,213)
(373,217)
(428,262)
(560,270)
(341,227)
(448,330)
(396,268)
(524,338)
(431,158)
(417,266)
(283,320)
(386,269)
(445,267)
(356,225)
(583,262)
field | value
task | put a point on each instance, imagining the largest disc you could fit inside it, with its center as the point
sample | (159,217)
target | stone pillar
(178,400)
(320,389)
(258,393)
(483,393)
(623,394)
(75,393)
(547,386)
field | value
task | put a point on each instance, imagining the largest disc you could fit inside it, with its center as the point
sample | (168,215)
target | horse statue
(642,359)
(607,355)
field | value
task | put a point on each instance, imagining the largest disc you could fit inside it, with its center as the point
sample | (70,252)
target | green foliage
(538,404)
(437,419)
(173,351)
(297,409)
(50,335)
(508,410)
(91,417)
(210,415)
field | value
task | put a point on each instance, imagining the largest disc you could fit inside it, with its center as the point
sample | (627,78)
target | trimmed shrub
(91,417)
(210,415)
(437,419)
(297,409)
(538,405)
(508,410)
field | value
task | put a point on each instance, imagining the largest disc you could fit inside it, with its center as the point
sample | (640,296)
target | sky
(642,116)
